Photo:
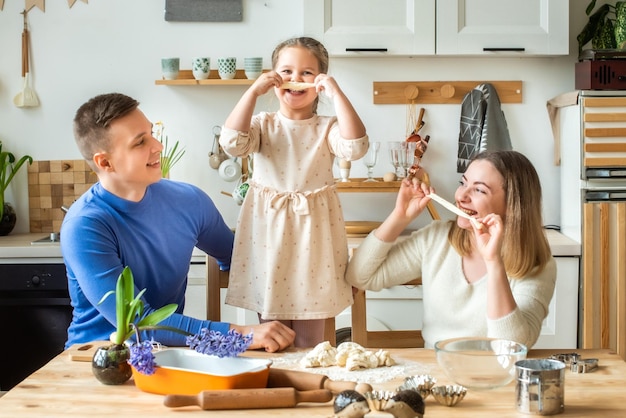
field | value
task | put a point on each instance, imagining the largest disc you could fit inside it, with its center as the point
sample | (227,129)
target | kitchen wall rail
(440,92)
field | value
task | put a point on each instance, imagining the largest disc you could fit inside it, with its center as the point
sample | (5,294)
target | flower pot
(110,364)
(9,218)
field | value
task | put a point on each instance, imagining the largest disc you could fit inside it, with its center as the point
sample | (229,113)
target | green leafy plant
(8,168)
(128,308)
(129,311)
(169,156)
(606,27)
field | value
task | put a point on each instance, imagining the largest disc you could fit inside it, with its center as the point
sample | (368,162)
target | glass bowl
(479,363)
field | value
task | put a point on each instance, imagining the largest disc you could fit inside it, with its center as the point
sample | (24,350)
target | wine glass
(407,156)
(395,147)
(370,159)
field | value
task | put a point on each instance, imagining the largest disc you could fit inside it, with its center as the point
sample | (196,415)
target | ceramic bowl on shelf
(479,363)
(187,372)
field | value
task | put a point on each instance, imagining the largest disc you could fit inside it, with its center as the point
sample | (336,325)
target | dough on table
(350,355)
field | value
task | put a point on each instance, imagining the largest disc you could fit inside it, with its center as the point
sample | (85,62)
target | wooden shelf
(359,185)
(185,78)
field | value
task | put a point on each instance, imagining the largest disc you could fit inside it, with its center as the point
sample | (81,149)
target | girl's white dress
(290,252)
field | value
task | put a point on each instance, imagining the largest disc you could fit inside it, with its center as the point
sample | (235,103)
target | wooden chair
(386,339)
(381,339)
(217,279)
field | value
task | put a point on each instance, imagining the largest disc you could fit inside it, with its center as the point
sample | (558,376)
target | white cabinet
(560,328)
(532,27)
(463,27)
(372,28)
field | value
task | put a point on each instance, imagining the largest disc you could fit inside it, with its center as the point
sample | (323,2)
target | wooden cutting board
(85,352)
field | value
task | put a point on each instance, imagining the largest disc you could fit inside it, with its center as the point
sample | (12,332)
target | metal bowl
(479,363)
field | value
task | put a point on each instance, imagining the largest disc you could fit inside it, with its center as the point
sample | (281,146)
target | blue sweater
(102,233)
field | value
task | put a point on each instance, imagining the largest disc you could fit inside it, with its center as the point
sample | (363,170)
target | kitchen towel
(483,125)
(553,105)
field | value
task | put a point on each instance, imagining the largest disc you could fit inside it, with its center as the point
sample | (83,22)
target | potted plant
(169,156)
(606,28)
(112,364)
(8,168)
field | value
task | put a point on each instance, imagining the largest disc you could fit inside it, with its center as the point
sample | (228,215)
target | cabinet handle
(366,49)
(504,49)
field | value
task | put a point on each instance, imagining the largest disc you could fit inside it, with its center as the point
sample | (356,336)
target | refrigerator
(593,211)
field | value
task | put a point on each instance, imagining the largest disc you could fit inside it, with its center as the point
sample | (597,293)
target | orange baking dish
(186,372)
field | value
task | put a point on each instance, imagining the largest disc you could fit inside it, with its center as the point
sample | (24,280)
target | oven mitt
(482,125)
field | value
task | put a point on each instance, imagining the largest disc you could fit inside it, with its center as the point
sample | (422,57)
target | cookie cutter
(576,363)
(584,365)
(567,358)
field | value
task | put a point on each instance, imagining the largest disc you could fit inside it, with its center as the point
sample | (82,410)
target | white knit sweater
(452,306)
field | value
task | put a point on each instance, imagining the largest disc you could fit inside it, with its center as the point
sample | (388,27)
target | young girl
(290,251)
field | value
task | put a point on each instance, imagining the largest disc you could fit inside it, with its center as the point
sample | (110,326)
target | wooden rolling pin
(280,378)
(248,398)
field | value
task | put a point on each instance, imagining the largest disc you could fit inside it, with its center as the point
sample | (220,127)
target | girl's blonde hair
(313,45)
(525,248)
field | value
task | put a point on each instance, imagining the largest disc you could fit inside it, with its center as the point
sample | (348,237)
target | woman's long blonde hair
(525,248)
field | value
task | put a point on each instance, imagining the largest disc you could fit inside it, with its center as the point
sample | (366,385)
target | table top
(66,388)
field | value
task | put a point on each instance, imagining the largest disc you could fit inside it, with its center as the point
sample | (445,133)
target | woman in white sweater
(495,280)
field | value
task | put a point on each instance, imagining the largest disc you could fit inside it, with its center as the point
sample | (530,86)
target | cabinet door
(502,27)
(372,28)
(560,327)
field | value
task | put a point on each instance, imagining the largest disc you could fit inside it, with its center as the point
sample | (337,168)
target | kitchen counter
(65,388)
(17,248)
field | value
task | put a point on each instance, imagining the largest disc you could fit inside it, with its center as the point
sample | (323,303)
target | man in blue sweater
(132,217)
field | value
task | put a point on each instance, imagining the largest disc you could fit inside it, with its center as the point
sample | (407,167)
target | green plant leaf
(593,26)
(158,315)
(590,7)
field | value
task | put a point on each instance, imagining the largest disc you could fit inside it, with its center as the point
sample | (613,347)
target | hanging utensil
(217,154)
(27,97)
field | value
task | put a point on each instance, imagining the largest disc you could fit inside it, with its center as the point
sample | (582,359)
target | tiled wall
(52,184)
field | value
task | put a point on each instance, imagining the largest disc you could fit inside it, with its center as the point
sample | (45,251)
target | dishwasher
(35,312)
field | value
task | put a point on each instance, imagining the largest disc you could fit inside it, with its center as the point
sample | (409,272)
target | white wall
(116,45)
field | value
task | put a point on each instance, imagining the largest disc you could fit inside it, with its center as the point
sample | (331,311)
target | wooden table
(65,388)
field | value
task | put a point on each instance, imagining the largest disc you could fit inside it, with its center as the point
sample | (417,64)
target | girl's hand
(265,82)
(489,238)
(327,84)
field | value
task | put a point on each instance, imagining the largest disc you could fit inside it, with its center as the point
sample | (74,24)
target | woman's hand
(412,198)
(410,202)
(489,238)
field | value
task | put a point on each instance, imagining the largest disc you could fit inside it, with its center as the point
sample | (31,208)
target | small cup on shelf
(227,67)
(200,67)
(253,67)
(170,67)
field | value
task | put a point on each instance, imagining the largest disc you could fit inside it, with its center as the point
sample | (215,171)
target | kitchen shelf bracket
(439,92)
